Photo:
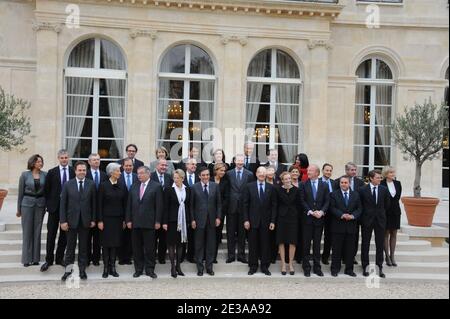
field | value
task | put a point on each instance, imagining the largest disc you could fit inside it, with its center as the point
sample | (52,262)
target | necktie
(141,192)
(190,180)
(346,199)
(205,191)
(261,192)
(64,179)
(329,186)
(96,179)
(161,180)
(80,189)
(247,161)
(128,182)
(374,194)
(314,189)
(239,178)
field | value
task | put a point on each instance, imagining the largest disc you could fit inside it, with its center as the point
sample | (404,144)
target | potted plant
(14,126)
(419,134)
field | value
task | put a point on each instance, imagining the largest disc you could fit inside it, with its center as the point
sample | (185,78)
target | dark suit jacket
(224,188)
(252,166)
(103,177)
(147,212)
(202,208)
(357,183)
(182,164)
(334,183)
(73,206)
(122,180)
(236,189)
(171,205)
(186,180)
(53,189)
(374,212)
(136,164)
(168,182)
(321,203)
(394,208)
(338,208)
(111,200)
(259,213)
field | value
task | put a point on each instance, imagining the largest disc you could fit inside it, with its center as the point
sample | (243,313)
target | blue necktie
(314,189)
(374,195)
(261,192)
(346,199)
(128,182)
(190,180)
(161,179)
(96,179)
(64,179)
(329,186)
(239,176)
(205,191)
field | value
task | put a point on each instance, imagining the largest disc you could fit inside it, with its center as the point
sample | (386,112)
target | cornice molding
(42,25)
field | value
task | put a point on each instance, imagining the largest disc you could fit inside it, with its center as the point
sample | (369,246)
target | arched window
(95,98)
(445,157)
(186,100)
(373,115)
(273,103)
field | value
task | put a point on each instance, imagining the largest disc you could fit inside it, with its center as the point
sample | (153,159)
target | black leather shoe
(83,275)
(179,272)
(137,274)
(307,273)
(35,263)
(243,260)
(350,273)
(200,273)
(325,261)
(252,271)
(215,261)
(334,274)
(365,273)
(45,266)
(319,273)
(113,272)
(105,272)
(210,272)
(151,274)
(161,261)
(230,260)
(381,274)
(66,275)
(267,272)
(27,265)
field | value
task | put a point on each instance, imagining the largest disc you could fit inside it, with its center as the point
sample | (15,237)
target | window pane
(286,134)
(362,114)
(362,172)
(260,66)
(79,126)
(383,115)
(174,60)
(258,113)
(201,111)
(108,149)
(172,110)
(112,87)
(79,105)
(82,56)
(285,151)
(286,66)
(383,70)
(170,130)
(82,86)
(258,92)
(288,93)
(364,69)
(171,89)
(382,156)
(361,155)
(196,130)
(361,135)
(362,94)
(202,90)
(110,56)
(171,147)
(286,114)
(261,132)
(382,136)
(111,128)
(82,148)
(384,94)
(201,63)
(112,106)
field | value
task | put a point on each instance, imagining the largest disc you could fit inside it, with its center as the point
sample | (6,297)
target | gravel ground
(224,289)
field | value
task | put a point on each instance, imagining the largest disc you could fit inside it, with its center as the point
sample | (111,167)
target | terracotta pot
(3,193)
(420,211)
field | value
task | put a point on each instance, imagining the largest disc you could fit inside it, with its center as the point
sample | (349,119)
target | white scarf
(181,223)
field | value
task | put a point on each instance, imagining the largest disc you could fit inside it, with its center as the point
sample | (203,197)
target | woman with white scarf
(176,220)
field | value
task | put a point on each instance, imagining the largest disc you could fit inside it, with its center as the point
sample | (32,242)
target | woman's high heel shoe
(283,272)
(393,261)
(291,271)
(388,261)
(173,272)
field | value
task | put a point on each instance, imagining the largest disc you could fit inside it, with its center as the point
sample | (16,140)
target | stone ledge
(434,234)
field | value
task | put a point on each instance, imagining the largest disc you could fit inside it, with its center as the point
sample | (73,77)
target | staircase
(417,261)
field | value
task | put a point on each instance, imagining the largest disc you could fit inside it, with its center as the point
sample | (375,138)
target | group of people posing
(137,213)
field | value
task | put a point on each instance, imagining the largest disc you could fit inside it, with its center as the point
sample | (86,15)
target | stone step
(432,255)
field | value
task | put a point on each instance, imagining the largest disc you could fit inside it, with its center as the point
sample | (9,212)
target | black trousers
(312,233)
(94,248)
(52,230)
(273,245)
(219,236)
(205,241)
(235,229)
(160,244)
(125,251)
(143,241)
(82,234)
(259,247)
(327,236)
(109,256)
(379,243)
(343,248)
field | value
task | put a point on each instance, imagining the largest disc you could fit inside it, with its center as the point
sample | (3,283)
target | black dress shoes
(83,275)
(137,274)
(113,272)
(230,260)
(45,266)
(319,273)
(27,265)
(179,272)
(252,271)
(210,272)
(334,274)
(243,260)
(66,275)
(151,274)
(350,273)
(35,263)
(307,273)
(365,273)
(200,273)
(266,272)
(381,274)
(105,272)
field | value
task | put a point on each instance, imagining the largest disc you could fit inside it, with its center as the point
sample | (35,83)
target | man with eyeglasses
(131,150)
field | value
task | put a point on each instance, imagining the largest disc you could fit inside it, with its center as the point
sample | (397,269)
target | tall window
(186,99)
(373,115)
(273,103)
(445,157)
(95,96)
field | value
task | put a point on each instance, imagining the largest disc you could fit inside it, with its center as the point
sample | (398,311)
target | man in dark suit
(238,178)
(375,201)
(273,161)
(190,180)
(345,210)
(77,215)
(127,179)
(165,180)
(315,199)
(206,214)
(260,212)
(143,217)
(194,152)
(131,150)
(327,171)
(251,161)
(95,174)
(56,178)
